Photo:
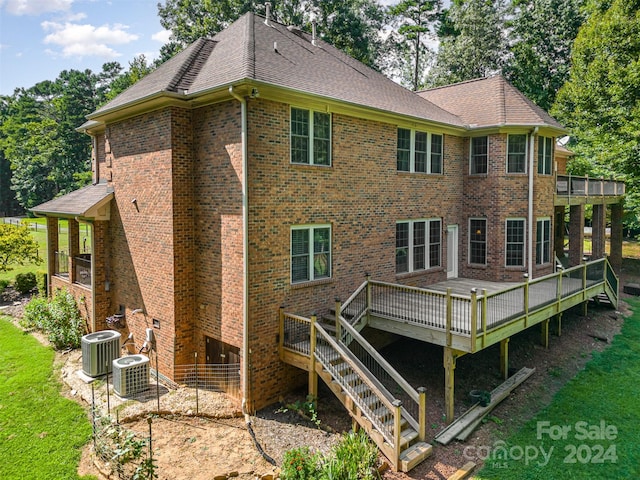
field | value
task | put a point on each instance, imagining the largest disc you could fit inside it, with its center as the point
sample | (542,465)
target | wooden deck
(462,315)
(469,315)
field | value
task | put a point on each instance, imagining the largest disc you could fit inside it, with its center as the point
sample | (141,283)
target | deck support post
(504,357)
(449,382)
(313,376)
(545,333)
(559,330)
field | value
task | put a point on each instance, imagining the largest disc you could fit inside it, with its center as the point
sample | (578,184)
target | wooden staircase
(392,425)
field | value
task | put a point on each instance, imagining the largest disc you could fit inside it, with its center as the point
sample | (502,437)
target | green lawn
(592,427)
(41,432)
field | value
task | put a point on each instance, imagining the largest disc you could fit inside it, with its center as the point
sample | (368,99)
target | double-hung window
(478,241)
(517,154)
(479,155)
(420,152)
(545,155)
(310,253)
(418,245)
(515,242)
(543,241)
(310,137)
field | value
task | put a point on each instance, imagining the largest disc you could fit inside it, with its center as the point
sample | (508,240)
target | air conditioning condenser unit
(99,350)
(130,374)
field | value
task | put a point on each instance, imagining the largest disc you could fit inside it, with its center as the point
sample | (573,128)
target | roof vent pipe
(267,14)
(313,32)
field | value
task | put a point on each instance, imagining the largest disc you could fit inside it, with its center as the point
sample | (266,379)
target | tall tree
(8,203)
(601,101)
(350,25)
(414,21)
(38,136)
(475,45)
(542,34)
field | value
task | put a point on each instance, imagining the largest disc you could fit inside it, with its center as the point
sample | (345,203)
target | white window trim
(412,152)
(543,154)
(524,241)
(427,245)
(538,220)
(471,155)
(486,240)
(311,228)
(526,155)
(310,153)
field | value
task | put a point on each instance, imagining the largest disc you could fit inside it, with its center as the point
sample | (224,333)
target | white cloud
(87,40)
(162,36)
(34,7)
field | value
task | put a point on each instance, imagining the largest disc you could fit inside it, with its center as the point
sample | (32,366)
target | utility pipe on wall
(245,251)
(532,139)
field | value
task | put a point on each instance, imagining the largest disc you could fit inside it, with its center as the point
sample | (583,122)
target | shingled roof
(84,202)
(250,49)
(490,102)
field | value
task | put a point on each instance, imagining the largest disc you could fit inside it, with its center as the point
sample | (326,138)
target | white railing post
(474,318)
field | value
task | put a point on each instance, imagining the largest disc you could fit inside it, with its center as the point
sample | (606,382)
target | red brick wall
(142,233)
(361,196)
(218,229)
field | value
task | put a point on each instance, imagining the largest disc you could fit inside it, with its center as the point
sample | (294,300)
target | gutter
(532,137)
(246,394)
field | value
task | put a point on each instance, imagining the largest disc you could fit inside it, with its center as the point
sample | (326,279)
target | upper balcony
(572,190)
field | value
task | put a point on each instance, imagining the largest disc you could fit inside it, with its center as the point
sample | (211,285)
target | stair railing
(353,380)
(414,401)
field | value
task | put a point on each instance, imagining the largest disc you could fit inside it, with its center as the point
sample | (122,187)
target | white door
(452,251)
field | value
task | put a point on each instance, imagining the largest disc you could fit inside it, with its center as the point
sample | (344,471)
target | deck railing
(568,185)
(477,314)
(419,306)
(83,269)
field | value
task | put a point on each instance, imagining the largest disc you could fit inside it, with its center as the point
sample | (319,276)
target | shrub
(36,314)
(42,281)
(300,464)
(354,457)
(3,285)
(59,318)
(25,282)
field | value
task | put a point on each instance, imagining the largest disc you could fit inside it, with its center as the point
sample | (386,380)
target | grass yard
(591,428)
(41,432)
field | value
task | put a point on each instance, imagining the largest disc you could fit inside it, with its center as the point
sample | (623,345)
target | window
(419,151)
(545,155)
(478,241)
(517,154)
(418,245)
(515,243)
(310,137)
(310,253)
(543,241)
(479,155)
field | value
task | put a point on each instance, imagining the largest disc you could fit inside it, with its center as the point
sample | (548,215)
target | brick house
(263,168)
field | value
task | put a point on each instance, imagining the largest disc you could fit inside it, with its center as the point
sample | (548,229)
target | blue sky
(41,38)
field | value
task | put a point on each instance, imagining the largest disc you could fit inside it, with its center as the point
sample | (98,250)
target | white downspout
(530,219)
(245,251)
